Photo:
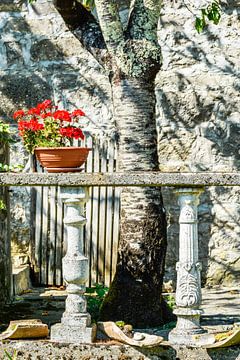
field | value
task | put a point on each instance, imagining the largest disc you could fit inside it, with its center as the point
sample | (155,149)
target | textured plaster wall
(198,111)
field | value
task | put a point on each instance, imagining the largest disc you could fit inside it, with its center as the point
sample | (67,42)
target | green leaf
(212,13)
(88,4)
(199,25)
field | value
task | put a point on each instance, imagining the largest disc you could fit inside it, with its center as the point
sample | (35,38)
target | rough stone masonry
(197,110)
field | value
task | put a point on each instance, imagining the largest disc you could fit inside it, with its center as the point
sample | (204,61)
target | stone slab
(73,334)
(188,179)
(21,279)
(47,350)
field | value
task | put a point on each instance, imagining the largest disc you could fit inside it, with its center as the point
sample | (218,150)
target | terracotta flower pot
(64,159)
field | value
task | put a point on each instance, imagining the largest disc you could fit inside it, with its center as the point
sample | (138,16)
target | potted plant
(49,132)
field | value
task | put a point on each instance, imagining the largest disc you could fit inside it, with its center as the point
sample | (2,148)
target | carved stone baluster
(75,326)
(188,292)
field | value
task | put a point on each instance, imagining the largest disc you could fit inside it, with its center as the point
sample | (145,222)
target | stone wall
(199,130)
(198,111)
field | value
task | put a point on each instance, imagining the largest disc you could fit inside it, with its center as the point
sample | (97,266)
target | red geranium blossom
(72,132)
(34,111)
(18,114)
(78,112)
(46,104)
(62,115)
(32,125)
(45,115)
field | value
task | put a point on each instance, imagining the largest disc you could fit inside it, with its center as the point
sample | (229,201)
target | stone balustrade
(74,189)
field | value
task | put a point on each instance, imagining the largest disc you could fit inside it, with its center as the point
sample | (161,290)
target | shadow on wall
(35,66)
(41,60)
(199,130)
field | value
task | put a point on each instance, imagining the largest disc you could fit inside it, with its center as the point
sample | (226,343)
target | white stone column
(188,292)
(75,326)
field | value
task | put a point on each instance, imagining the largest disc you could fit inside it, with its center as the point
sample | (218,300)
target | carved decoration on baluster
(188,292)
(188,214)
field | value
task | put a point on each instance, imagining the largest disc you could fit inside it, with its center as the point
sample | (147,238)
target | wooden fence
(101,232)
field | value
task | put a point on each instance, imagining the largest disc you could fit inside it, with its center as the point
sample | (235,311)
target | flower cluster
(47,126)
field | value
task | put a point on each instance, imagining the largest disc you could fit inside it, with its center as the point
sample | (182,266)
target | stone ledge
(51,351)
(122,179)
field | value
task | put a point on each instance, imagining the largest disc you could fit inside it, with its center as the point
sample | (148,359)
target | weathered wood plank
(95,219)
(88,233)
(59,239)
(44,242)
(38,231)
(109,218)
(102,217)
(52,237)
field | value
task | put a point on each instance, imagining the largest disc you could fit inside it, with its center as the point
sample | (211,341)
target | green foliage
(170,299)
(5,133)
(95,296)
(120,324)
(212,13)
(9,356)
(88,4)
(2,205)
(12,168)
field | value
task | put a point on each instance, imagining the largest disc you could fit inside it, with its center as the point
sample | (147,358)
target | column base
(73,334)
(188,327)
(190,340)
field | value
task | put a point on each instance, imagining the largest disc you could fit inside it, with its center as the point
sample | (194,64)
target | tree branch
(110,23)
(84,26)
(143,20)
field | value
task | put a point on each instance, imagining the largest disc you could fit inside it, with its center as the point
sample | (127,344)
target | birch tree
(132,58)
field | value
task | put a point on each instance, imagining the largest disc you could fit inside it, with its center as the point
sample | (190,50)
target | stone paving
(221,306)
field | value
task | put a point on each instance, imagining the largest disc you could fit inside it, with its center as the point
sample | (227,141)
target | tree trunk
(135,294)
(133,59)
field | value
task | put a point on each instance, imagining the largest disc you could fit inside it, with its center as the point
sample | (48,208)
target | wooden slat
(38,233)
(116,228)
(109,218)
(102,216)
(59,237)
(95,217)
(88,232)
(52,237)
(44,243)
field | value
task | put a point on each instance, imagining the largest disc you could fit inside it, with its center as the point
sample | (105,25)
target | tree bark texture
(135,294)
(133,60)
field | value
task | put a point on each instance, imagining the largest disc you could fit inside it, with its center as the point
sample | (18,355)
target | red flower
(34,111)
(45,115)
(46,104)
(71,132)
(78,112)
(18,114)
(62,115)
(32,125)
